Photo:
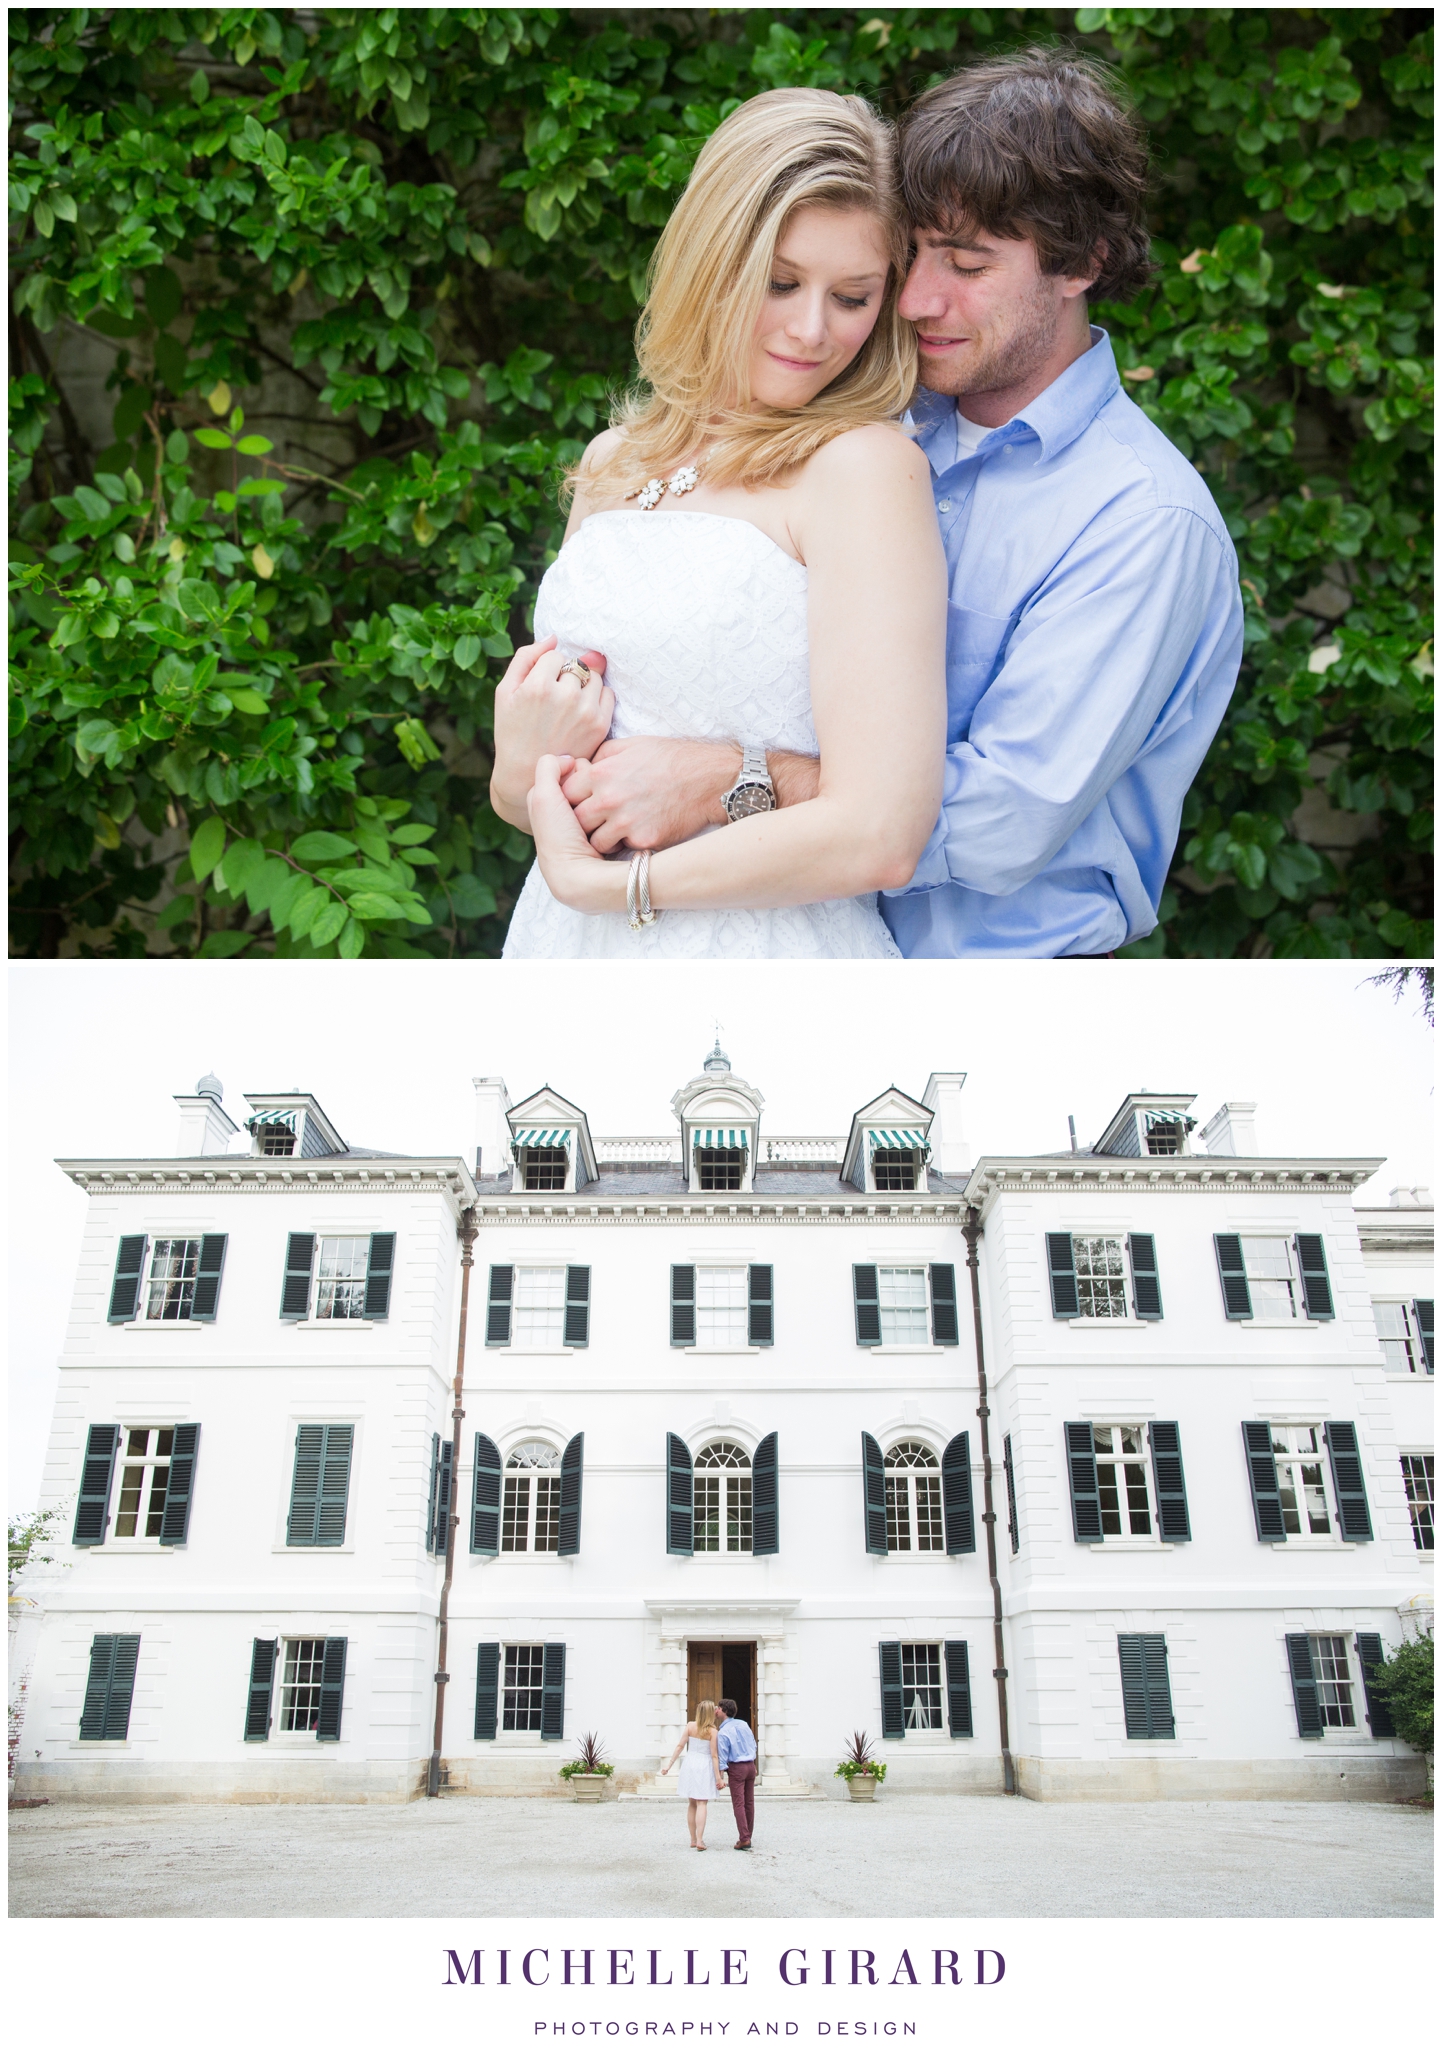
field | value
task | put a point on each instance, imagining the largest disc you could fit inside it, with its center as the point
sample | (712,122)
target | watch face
(747,798)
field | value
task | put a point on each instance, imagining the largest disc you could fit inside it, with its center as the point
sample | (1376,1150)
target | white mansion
(722,1434)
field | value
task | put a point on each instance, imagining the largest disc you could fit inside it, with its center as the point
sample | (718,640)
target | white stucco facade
(626,1304)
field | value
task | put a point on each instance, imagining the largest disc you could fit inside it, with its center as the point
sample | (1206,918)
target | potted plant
(587,1773)
(860,1769)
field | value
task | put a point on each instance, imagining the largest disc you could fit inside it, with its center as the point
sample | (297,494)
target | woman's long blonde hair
(706,1717)
(711,269)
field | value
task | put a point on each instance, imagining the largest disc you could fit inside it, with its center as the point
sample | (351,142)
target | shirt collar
(1059,414)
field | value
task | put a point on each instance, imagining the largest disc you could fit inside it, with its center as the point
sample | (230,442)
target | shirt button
(944,506)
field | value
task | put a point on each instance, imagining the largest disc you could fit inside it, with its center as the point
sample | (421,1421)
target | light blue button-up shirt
(735,1744)
(1094,632)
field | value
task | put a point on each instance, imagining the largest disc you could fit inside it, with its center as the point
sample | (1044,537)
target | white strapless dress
(703,623)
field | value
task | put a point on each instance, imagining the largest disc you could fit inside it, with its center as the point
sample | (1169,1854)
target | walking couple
(880,580)
(711,1756)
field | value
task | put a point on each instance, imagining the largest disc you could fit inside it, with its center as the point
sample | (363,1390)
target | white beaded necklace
(681,483)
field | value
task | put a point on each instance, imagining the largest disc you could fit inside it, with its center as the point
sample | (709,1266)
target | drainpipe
(467,1231)
(971,1233)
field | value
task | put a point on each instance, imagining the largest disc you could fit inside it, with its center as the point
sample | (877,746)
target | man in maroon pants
(736,1754)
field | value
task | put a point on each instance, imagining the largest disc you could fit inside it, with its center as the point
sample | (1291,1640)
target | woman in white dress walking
(699,1779)
(753,549)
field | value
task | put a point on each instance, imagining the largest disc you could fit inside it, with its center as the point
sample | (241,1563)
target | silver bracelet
(638,892)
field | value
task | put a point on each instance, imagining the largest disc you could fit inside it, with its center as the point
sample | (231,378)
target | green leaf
(467,651)
(258,485)
(247,701)
(206,847)
(330,923)
(411,835)
(215,440)
(351,941)
(307,906)
(199,87)
(313,848)
(239,864)
(222,946)
(253,447)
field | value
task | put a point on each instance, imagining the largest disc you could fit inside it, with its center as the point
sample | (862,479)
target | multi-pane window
(170,1293)
(902,1297)
(1270,1280)
(894,1168)
(722,1513)
(721,1307)
(521,1690)
(1121,1454)
(913,1498)
(1101,1282)
(144,1475)
(921,1684)
(1300,1455)
(1417,1477)
(1164,1135)
(275,1137)
(531,1500)
(1334,1680)
(340,1289)
(719,1168)
(543,1168)
(538,1315)
(1397,1331)
(300,1686)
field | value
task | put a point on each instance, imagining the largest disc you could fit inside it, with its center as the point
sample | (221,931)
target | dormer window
(894,1168)
(543,1157)
(543,1168)
(720,1168)
(1164,1132)
(274,1133)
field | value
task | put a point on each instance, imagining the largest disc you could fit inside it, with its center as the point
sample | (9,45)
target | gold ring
(581,671)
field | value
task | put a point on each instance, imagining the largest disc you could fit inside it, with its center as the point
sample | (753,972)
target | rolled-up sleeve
(1112,653)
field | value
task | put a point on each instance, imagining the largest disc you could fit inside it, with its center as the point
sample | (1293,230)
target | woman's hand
(541,710)
(573,871)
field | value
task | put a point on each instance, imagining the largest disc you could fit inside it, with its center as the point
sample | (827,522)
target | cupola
(889,1145)
(204,1127)
(720,1119)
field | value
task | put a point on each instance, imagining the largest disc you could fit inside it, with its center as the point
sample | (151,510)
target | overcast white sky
(98,1050)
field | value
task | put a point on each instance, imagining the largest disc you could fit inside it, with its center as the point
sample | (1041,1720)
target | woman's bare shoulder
(872,453)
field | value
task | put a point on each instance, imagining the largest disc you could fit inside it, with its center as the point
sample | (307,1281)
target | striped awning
(543,1136)
(271,1118)
(719,1136)
(1177,1117)
(899,1136)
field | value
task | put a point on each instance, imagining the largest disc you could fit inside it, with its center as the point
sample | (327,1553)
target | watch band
(752,789)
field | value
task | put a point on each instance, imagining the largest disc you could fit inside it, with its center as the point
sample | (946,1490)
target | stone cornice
(1112,1177)
(259,1177)
(700,1210)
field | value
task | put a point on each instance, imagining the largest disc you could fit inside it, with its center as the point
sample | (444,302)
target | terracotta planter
(862,1787)
(588,1787)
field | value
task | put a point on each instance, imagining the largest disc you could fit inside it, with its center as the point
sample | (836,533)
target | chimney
(204,1127)
(493,1135)
(1412,1198)
(1232,1131)
(950,1151)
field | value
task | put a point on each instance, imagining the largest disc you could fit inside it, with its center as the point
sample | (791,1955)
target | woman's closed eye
(782,287)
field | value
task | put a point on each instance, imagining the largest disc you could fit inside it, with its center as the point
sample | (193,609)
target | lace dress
(702,620)
(696,1774)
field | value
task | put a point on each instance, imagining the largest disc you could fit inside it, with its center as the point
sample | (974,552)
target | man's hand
(651,793)
(540,709)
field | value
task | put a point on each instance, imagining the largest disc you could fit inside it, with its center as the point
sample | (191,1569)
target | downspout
(971,1233)
(467,1231)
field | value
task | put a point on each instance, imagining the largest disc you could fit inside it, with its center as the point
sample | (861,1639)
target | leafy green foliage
(1406,1683)
(408,246)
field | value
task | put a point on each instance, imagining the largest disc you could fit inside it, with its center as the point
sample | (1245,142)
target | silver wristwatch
(752,790)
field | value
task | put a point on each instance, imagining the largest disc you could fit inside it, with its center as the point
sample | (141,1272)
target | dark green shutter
(486,1499)
(125,1285)
(680,1497)
(893,1709)
(873,1495)
(319,1487)
(1422,1310)
(179,1484)
(958,1688)
(488,1686)
(1346,1456)
(1011,1519)
(1061,1267)
(683,1305)
(498,1306)
(1262,1476)
(1370,1657)
(105,1715)
(438,1517)
(380,1267)
(956,1506)
(760,1308)
(206,1302)
(433,1494)
(92,1510)
(1316,1289)
(262,1680)
(1304,1688)
(553,1691)
(765,1500)
(1236,1297)
(577,1333)
(295,1286)
(1173,1521)
(1086,1504)
(868,1304)
(1146,1284)
(943,1306)
(332,1689)
(1146,1688)
(568,1532)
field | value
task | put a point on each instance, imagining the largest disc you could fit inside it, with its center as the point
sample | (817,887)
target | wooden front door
(703,1675)
(717,1669)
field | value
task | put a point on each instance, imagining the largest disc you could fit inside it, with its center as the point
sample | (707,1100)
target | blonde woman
(699,1779)
(753,548)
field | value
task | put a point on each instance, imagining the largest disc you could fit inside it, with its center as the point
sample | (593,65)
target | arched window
(723,1499)
(913,1497)
(531,1512)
